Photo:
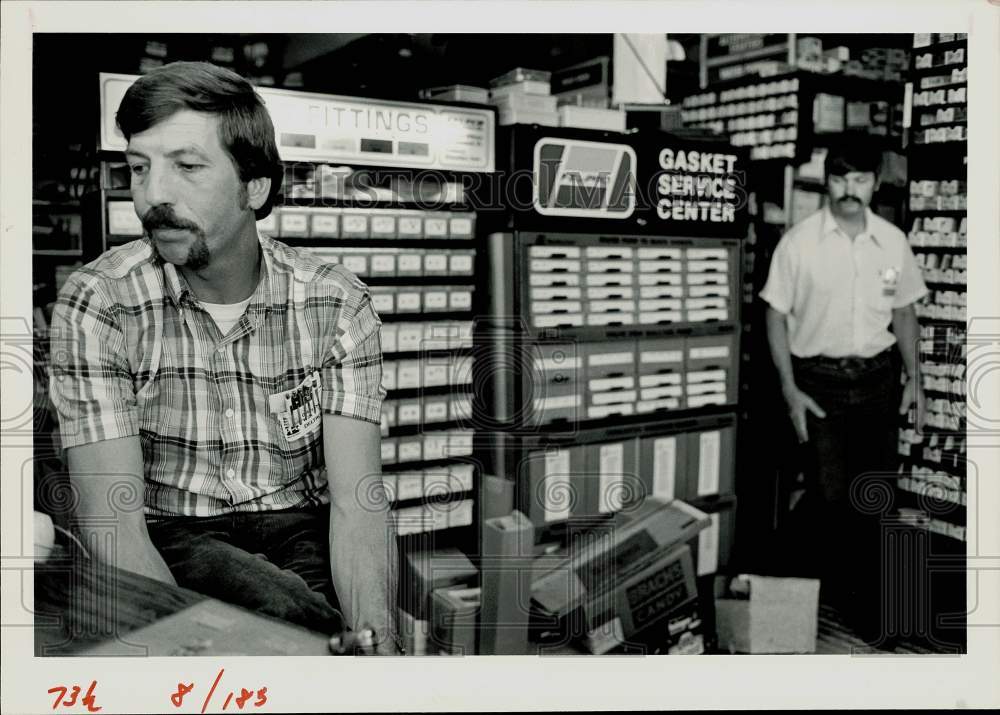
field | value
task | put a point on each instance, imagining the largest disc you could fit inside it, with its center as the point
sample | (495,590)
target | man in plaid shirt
(233,380)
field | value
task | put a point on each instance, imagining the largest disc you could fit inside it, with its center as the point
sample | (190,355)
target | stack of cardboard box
(523,96)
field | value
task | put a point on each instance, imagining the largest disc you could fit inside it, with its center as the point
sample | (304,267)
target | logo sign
(697,186)
(351,130)
(583,179)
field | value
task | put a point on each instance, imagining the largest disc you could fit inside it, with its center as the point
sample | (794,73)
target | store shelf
(938,161)
(939,47)
(941,212)
(937,105)
(953,123)
(435,243)
(943,394)
(930,492)
(69,253)
(942,321)
(918,248)
(935,69)
(955,468)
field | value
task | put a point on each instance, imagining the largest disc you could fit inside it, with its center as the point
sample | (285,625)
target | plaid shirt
(133,353)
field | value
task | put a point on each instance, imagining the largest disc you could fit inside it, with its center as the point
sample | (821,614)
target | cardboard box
(840,53)
(679,634)
(779,615)
(518,116)
(665,586)
(521,74)
(828,113)
(517,102)
(610,554)
(809,47)
(425,571)
(656,591)
(506,584)
(457,93)
(611,120)
(454,617)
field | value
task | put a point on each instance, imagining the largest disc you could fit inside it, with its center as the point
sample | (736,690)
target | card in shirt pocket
(298,410)
(889,280)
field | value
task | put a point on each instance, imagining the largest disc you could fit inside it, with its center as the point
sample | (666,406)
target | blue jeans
(276,562)
(850,466)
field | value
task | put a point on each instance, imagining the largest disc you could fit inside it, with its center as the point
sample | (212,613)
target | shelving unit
(932,488)
(420,269)
(615,332)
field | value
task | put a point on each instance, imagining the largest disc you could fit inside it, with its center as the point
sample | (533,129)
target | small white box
(609,120)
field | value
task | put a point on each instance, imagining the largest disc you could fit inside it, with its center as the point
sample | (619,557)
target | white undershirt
(226,315)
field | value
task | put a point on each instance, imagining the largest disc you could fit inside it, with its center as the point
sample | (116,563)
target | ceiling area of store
(387,66)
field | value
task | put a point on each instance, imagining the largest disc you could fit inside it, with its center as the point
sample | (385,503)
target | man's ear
(257,192)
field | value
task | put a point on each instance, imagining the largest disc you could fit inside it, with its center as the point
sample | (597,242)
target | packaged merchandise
(611,120)
(457,93)
(589,567)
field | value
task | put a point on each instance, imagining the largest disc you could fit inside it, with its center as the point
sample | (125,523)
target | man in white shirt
(837,282)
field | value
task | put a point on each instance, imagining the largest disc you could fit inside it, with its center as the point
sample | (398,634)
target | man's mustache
(163,217)
(845,199)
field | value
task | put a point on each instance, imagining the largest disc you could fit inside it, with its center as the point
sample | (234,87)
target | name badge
(890,280)
(298,410)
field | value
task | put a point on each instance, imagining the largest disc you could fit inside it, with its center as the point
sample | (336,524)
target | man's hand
(913,394)
(798,404)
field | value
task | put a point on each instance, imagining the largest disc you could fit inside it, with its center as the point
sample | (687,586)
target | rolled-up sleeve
(911,281)
(90,382)
(352,368)
(778,292)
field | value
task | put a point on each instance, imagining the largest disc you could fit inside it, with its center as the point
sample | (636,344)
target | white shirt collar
(829,224)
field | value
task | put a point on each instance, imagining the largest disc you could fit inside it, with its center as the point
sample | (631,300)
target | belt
(844,363)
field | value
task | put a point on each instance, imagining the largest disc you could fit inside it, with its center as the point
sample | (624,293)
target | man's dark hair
(853,151)
(245,128)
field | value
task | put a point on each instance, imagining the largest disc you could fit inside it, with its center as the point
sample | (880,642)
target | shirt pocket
(883,286)
(295,414)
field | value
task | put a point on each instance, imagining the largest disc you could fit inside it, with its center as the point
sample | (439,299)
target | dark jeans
(850,463)
(276,563)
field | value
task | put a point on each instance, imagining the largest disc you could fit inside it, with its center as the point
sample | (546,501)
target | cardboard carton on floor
(661,590)
(603,558)
(776,615)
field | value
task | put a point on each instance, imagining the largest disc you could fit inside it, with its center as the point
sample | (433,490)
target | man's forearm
(904,325)
(781,352)
(96,470)
(363,562)
(364,566)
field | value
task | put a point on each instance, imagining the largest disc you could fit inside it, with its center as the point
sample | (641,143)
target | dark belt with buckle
(845,363)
